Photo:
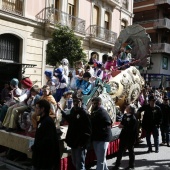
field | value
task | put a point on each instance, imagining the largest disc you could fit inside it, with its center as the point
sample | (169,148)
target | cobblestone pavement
(145,161)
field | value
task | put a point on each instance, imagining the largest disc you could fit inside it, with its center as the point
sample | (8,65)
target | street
(145,161)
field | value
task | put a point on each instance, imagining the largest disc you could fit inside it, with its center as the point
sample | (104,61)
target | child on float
(33,99)
(15,92)
(77,73)
(64,66)
(84,86)
(46,96)
(11,119)
(50,81)
(61,85)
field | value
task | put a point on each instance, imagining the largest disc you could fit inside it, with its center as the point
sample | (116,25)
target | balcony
(158,2)
(113,2)
(54,16)
(99,33)
(162,23)
(160,48)
(13,6)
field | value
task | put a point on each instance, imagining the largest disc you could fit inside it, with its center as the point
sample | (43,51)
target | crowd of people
(34,109)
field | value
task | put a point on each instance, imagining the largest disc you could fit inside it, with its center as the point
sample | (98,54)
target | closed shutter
(95,15)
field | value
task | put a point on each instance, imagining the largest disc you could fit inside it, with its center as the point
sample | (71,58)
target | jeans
(155,132)
(165,133)
(100,148)
(34,168)
(78,157)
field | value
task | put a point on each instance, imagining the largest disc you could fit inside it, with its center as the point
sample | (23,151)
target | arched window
(9,47)
(106,20)
(95,15)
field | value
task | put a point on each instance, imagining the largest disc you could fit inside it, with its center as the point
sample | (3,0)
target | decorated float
(123,88)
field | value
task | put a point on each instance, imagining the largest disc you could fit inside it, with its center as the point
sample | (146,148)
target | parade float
(122,88)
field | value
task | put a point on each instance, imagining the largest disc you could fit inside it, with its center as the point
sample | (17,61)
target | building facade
(154,15)
(26,26)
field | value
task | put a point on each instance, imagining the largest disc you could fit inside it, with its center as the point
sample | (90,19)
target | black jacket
(165,115)
(129,131)
(101,125)
(79,128)
(46,145)
(152,117)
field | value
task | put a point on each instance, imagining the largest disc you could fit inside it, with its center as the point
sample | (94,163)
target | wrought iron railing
(165,23)
(160,48)
(115,1)
(13,6)
(101,33)
(157,2)
(55,16)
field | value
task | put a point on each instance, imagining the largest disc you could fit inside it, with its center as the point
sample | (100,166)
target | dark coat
(46,145)
(101,125)
(79,128)
(165,115)
(129,131)
(152,117)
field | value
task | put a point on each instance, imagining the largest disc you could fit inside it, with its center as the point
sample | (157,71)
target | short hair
(97,99)
(44,104)
(132,109)
(35,89)
(47,87)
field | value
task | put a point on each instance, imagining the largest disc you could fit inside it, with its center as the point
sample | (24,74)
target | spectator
(165,125)
(151,122)
(127,137)
(46,145)
(79,132)
(101,132)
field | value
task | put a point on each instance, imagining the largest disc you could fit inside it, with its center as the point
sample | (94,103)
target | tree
(64,44)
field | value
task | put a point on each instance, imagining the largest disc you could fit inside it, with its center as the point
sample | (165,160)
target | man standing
(151,122)
(127,137)
(78,133)
(46,146)
(165,125)
(101,132)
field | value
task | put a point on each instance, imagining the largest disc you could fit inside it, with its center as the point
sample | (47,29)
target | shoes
(149,151)
(130,168)
(115,168)
(163,143)
(156,151)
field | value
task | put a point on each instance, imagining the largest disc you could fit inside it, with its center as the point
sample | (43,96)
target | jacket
(165,115)
(46,145)
(101,125)
(79,128)
(152,117)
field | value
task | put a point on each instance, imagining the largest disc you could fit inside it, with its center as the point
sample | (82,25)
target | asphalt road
(143,160)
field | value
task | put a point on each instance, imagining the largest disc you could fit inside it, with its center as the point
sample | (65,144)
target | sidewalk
(145,161)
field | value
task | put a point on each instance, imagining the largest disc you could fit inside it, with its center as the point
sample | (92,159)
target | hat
(27,82)
(48,74)
(86,75)
(58,71)
(152,98)
(14,82)
(68,92)
(128,47)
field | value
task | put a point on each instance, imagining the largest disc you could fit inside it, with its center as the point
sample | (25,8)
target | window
(71,7)
(106,20)
(123,25)
(95,15)
(125,4)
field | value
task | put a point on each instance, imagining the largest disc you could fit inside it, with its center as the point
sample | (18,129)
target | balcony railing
(157,2)
(54,16)
(13,6)
(160,48)
(114,2)
(101,33)
(162,23)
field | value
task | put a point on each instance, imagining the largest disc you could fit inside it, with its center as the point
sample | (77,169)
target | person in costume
(61,85)
(64,66)
(11,119)
(77,73)
(15,92)
(98,72)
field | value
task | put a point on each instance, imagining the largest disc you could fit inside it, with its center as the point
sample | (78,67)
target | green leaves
(64,44)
